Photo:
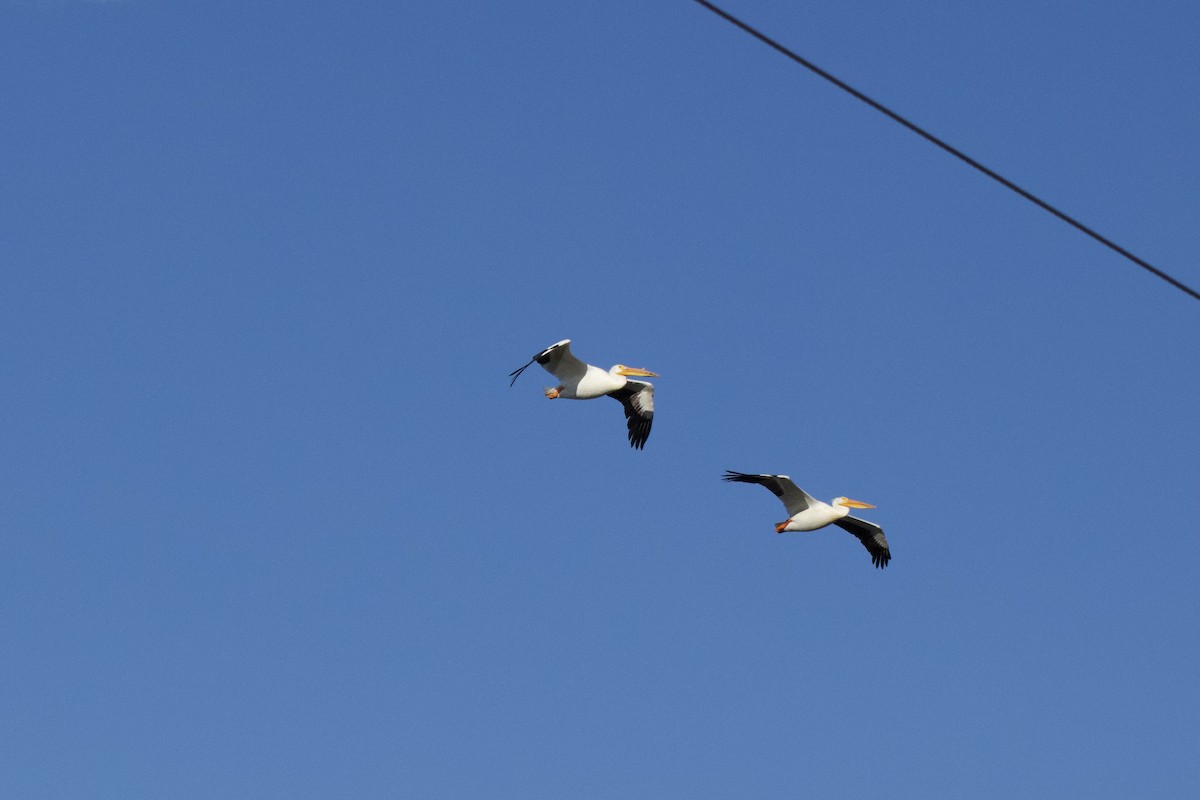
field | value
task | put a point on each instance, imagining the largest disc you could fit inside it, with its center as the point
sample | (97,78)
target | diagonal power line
(949,149)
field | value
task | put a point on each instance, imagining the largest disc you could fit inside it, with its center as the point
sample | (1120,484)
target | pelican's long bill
(855,503)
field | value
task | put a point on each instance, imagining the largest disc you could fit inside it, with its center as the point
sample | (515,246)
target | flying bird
(580,381)
(809,514)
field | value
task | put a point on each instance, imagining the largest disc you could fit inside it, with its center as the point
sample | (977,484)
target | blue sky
(275,525)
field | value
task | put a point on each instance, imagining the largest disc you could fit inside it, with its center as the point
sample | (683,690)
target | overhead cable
(762,37)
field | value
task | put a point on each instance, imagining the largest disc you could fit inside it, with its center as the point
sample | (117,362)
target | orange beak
(856,503)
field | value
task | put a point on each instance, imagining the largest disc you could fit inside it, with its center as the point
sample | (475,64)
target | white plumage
(580,381)
(809,514)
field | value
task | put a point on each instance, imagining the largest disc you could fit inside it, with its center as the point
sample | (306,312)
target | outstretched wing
(558,360)
(871,535)
(794,498)
(637,398)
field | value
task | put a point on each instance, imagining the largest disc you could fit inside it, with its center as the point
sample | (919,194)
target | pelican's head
(848,503)
(632,372)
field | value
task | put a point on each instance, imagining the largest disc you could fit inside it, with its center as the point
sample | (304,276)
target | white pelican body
(816,516)
(593,383)
(580,381)
(810,514)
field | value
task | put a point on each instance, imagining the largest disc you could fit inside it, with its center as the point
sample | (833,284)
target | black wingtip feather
(540,358)
(516,373)
(639,432)
(768,482)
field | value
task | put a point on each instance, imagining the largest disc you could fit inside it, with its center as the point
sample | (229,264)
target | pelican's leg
(553,393)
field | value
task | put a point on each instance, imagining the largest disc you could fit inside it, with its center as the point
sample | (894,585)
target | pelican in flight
(580,381)
(809,514)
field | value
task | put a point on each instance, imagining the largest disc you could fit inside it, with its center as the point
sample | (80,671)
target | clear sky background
(275,525)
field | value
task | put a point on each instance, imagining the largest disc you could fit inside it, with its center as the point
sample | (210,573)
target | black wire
(951,150)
